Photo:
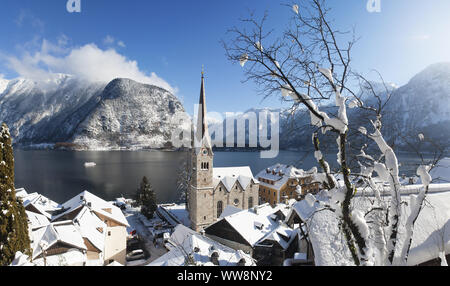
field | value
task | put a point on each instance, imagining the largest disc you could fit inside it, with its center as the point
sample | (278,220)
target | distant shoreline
(51,147)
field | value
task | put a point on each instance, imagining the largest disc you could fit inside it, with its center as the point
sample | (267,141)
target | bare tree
(311,63)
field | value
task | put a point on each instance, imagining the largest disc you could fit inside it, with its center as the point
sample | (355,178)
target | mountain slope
(121,114)
(3,85)
(131,115)
(421,106)
(37,114)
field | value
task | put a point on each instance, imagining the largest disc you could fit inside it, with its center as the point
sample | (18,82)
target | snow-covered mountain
(131,115)
(423,105)
(3,85)
(420,106)
(119,114)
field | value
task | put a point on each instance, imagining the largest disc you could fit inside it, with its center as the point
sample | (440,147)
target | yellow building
(279,183)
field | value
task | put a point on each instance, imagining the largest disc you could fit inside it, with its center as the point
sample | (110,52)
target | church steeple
(202,135)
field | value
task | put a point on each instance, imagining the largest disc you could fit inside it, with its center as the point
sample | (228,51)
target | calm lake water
(61,175)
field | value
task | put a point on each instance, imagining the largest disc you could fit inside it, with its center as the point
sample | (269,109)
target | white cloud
(28,18)
(109,40)
(88,62)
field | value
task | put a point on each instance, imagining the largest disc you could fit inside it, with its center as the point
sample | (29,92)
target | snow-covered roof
(96,204)
(37,220)
(21,259)
(179,212)
(229,176)
(404,190)
(72,257)
(44,205)
(21,193)
(229,210)
(431,230)
(441,173)
(114,263)
(283,235)
(251,225)
(64,232)
(91,227)
(329,245)
(201,248)
(280,174)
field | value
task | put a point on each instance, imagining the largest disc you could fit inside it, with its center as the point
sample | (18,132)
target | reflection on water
(62,175)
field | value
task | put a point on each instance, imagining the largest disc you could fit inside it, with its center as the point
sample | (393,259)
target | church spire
(202,124)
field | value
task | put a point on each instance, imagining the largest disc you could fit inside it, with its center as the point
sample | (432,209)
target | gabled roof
(282,235)
(61,232)
(280,174)
(229,176)
(253,226)
(186,241)
(40,203)
(96,204)
(37,220)
(91,227)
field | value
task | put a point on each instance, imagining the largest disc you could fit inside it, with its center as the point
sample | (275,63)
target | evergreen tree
(13,220)
(183,182)
(146,198)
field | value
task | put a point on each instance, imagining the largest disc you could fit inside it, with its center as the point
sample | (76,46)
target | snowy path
(155,252)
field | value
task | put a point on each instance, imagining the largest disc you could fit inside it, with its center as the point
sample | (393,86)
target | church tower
(201,189)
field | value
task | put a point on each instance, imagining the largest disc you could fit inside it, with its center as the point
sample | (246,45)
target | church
(213,189)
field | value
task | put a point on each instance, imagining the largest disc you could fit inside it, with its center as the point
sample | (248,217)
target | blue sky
(174,38)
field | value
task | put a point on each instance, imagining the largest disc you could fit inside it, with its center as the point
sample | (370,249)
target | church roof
(229,176)
(202,137)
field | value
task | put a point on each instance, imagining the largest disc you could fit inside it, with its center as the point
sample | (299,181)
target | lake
(61,175)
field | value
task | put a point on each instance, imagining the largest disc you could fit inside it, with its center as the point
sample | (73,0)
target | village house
(38,203)
(281,182)
(187,247)
(259,231)
(58,243)
(85,230)
(213,189)
(114,227)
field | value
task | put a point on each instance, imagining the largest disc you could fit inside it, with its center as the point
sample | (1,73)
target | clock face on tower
(205,152)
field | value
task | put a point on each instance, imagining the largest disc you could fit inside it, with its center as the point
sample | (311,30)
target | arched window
(219,208)
(250,202)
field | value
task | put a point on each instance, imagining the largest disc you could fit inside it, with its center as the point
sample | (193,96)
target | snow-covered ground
(179,212)
(144,228)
